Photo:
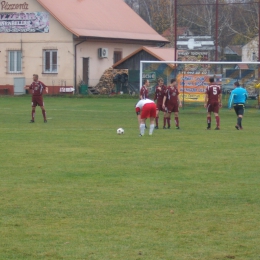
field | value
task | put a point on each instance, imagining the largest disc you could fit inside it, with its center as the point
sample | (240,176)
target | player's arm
(179,101)
(26,87)
(155,95)
(44,87)
(138,113)
(163,103)
(206,100)
(230,101)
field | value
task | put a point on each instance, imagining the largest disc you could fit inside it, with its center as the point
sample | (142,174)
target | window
(15,62)
(50,62)
(117,56)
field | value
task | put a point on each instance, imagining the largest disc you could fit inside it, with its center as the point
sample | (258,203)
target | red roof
(237,49)
(180,31)
(243,66)
(101,19)
(162,54)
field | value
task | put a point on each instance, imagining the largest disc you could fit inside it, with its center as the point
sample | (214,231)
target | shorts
(239,109)
(148,111)
(213,107)
(37,101)
(172,108)
(160,107)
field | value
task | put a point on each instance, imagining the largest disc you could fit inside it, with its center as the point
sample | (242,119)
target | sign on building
(31,22)
(195,43)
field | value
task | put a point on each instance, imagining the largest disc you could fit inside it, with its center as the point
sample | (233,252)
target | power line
(237,3)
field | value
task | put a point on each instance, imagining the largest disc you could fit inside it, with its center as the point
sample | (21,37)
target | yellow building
(66,42)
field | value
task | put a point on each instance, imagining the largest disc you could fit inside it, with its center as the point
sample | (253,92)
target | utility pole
(175,30)
(216,33)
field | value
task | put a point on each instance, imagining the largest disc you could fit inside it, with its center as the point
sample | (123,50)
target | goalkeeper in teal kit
(238,97)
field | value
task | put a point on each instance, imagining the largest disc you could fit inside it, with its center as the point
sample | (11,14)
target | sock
(217,120)
(239,121)
(44,114)
(164,121)
(177,121)
(33,114)
(156,121)
(168,122)
(209,121)
(142,128)
(151,129)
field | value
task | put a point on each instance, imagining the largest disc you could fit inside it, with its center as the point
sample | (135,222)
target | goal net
(193,77)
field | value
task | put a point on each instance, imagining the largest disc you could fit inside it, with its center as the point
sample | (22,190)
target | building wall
(32,46)
(98,66)
(250,51)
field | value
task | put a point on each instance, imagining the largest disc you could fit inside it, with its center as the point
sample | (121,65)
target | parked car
(253,95)
(226,88)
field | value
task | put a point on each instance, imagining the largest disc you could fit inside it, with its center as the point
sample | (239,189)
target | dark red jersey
(37,88)
(159,93)
(171,95)
(213,91)
(144,92)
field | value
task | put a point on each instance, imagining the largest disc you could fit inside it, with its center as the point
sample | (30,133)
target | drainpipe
(75,66)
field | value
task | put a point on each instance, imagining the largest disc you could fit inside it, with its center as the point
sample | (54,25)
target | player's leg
(208,117)
(239,121)
(176,119)
(157,118)
(169,119)
(217,121)
(41,104)
(240,116)
(168,116)
(152,116)
(44,114)
(151,125)
(165,118)
(216,110)
(176,116)
(143,116)
(33,113)
(142,127)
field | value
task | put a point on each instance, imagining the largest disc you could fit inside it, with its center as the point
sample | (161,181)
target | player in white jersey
(145,108)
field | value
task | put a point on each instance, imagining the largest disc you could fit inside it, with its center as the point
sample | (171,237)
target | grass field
(74,189)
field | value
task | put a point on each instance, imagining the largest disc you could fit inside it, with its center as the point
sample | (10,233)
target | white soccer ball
(120,131)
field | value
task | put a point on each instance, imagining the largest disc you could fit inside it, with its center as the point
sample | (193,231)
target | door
(19,84)
(85,70)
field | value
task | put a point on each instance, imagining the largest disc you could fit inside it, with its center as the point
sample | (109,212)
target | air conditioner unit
(102,53)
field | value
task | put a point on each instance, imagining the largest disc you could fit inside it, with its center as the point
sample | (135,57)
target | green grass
(74,189)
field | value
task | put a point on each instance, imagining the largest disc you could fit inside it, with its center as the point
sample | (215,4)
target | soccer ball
(120,131)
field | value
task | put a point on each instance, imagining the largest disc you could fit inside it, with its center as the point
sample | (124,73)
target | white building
(250,51)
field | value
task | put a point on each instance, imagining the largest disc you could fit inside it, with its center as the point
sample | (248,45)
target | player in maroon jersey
(158,95)
(144,89)
(37,88)
(172,103)
(213,98)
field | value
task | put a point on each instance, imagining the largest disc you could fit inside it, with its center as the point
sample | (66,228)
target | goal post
(193,77)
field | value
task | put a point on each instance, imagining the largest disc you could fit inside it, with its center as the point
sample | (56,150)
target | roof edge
(143,48)
(127,57)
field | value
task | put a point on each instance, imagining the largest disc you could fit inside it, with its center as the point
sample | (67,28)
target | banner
(33,22)
(193,86)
